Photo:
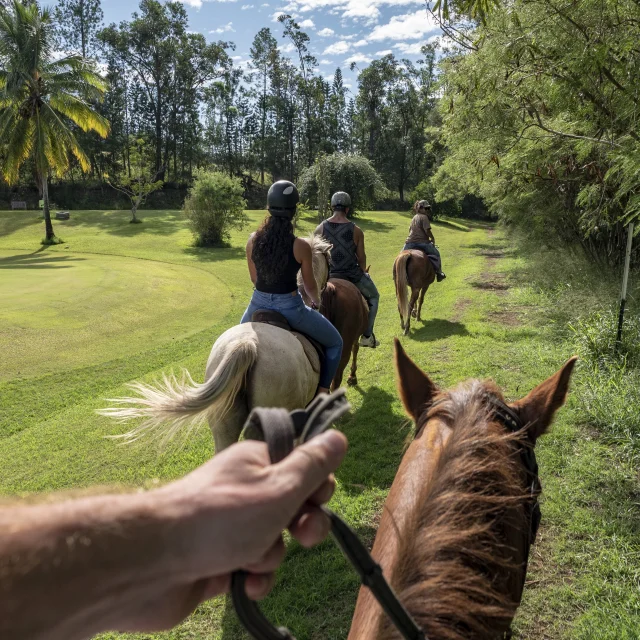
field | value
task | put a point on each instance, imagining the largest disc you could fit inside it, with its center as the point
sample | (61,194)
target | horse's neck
(400,509)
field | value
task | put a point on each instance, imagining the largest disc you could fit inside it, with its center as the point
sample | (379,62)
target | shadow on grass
(35,261)
(116,222)
(437,329)
(378,434)
(215,254)
(374,225)
(11,221)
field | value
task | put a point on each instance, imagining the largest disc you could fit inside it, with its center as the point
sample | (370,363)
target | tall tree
(77,23)
(40,97)
(154,46)
(307,63)
(264,52)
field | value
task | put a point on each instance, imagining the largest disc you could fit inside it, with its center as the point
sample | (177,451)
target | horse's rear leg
(412,304)
(226,431)
(352,380)
(420,302)
(342,365)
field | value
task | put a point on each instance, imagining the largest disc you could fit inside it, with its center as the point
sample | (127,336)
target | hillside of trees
(529,109)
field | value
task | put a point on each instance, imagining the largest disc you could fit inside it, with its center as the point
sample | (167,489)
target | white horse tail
(172,404)
(402,282)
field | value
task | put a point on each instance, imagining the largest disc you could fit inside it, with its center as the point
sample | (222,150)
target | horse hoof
(413,314)
(406,331)
(352,381)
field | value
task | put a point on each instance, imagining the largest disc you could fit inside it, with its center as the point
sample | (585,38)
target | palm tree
(40,98)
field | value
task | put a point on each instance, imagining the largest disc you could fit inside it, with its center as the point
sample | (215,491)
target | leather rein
(280,430)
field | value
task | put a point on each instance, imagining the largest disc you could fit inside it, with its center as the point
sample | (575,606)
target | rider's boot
(369,341)
(440,276)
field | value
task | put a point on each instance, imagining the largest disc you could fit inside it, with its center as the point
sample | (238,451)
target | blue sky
(341,31)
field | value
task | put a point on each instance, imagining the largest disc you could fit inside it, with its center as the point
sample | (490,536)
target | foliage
(214,207)
(136,185)
(40,97)
(595,336)
(351,173)
(539,110)
(77,23)
(610,377)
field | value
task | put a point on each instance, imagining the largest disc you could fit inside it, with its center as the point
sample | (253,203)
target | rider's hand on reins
(239,503)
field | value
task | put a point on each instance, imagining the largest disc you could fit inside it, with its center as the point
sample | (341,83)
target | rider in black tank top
(287,280)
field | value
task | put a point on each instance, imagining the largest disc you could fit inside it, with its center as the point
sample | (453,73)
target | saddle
(312,348)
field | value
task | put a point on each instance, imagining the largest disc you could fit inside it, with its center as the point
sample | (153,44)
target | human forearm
(69,569)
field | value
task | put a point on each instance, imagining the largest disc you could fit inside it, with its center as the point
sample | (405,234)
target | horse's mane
(318,244)
(452,547)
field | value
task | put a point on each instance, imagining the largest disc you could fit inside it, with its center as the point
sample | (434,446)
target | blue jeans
(430,249)
(304,320)
(368,290)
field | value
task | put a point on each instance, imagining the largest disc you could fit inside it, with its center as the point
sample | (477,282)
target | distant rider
(348,259)
(275,256)
(421,237)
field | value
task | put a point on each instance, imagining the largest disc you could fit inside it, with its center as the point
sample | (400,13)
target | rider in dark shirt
(274,257)
(348,259)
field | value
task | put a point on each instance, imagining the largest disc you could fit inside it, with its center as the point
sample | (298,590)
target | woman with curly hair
(421,237)
(275,256)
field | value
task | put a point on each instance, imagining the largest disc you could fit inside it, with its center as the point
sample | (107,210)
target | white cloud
(386,52)
(408,26)
(326,32)
(244,7)
(227,27)
(361,43)
(287,48)
(337,48)
(192,3)
(410,48)
(307,24)
(277,14)
(358,57)
(325,61)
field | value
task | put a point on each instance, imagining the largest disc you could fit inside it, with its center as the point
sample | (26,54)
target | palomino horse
(344,306)
(413,269)
(250,365)
(457,525)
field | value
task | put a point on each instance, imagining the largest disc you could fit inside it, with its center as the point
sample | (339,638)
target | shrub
(347,172)
(595,336)
(609,388)
(214,206)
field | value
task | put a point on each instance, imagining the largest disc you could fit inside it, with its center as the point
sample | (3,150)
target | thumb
(309,465)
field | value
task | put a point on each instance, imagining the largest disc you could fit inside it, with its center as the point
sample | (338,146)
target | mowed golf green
(118,302)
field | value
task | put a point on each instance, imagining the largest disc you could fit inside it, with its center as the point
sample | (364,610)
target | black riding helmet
(282,199)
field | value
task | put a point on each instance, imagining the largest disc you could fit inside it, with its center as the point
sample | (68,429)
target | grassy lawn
(118,302)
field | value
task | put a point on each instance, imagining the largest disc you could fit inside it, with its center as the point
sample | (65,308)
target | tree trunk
(48,227)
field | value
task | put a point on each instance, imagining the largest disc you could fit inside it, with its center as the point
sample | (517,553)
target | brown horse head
(456,529)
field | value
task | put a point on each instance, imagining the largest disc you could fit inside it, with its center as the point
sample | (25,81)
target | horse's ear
(537,409)
(415,387)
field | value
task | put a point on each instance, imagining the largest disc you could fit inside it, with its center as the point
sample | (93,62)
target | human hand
(229,514)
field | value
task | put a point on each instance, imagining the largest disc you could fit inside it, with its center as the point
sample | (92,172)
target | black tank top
(344,261)
(287,282)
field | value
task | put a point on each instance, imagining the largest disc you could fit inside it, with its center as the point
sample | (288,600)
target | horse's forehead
(474,390)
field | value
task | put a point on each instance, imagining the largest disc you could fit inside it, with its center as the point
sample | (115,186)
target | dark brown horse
(457,525)
(411,269)
(344,306)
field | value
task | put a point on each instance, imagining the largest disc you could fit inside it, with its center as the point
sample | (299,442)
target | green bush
(214,206)
(609,399)
(595,336)
(609,382)
(347,172)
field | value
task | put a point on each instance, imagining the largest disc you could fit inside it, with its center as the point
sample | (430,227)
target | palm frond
(19,148)
(80,113)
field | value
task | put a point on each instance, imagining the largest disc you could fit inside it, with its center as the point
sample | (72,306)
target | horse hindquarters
(345,307)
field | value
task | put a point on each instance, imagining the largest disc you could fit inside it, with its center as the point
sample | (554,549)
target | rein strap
(280,430)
